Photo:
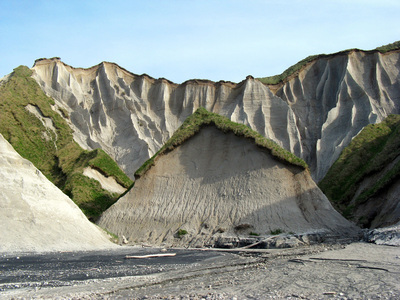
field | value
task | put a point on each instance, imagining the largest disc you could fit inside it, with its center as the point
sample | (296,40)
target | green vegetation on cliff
(389,47)
(289,71)
(202,118)
(52,148)
(371,151)
(271,80)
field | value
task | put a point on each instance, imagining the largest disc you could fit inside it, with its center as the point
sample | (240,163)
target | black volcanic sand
(59,269)
(324,271)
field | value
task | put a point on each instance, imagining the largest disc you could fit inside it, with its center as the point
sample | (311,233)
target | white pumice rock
(35,215)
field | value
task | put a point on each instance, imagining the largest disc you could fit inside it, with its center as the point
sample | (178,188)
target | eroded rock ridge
(314,114)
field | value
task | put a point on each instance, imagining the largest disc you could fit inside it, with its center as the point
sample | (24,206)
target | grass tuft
(181,233)
(254,234)
(276,231)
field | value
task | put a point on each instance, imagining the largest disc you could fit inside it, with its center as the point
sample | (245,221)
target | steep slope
(334,98)
(364,182)
(218,181)
(314,113)
(30,121)
(35,215)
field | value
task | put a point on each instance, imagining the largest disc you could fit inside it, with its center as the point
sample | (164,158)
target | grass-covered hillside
(51,148)
(271,80)
(374,149)
(201,118)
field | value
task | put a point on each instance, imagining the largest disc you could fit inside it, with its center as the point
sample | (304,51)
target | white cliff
(35,215)
(333,98)
(314,114)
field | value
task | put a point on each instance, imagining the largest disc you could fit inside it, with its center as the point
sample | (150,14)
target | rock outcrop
(35,215)
(314,114)
(389,236)
(216,186)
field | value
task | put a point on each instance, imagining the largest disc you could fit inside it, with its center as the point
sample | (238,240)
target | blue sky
(183,39)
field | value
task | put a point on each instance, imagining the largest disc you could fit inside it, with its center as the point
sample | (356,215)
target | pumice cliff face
(333,98)
(35,215)
(216,186)
(314,114)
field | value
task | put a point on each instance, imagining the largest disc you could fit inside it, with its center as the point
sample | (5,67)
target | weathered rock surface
(315,114)
(35,215)
(219,185)
(334,98)
(384,236)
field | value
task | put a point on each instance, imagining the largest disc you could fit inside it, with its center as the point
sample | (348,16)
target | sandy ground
(354,271)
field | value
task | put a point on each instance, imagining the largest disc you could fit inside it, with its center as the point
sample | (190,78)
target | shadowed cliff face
(315,114)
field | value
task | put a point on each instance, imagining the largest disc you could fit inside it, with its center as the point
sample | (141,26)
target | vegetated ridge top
(277,79)
(270,80)
(200,118)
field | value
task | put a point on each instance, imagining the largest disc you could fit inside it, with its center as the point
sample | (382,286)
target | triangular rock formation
(217,184)
(35,215)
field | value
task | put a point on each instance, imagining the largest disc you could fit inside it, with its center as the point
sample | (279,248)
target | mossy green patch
(201,118)
(374,148)
(55,154)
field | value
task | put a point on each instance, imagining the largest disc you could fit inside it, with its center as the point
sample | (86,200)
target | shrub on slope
(51,148)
